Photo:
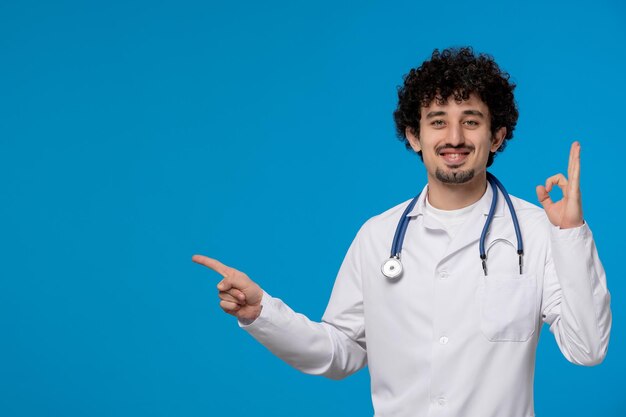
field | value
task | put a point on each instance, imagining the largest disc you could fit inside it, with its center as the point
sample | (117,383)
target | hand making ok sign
(568,212)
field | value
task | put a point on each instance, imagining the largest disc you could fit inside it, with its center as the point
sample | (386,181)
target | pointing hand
(567,212)
(240,296)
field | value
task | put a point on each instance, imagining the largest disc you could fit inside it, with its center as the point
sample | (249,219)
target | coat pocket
(508,307)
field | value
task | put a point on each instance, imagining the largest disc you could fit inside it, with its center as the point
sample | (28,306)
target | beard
(454,177)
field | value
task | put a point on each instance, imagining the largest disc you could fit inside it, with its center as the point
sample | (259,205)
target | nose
(455,135)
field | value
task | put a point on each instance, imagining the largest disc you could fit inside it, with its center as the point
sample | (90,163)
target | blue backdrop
(134,134)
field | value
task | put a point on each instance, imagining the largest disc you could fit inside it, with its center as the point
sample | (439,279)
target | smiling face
(455,140)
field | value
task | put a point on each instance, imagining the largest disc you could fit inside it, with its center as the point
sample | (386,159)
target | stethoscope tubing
(398,238)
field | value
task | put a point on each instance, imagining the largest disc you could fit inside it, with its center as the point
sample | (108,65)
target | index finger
(214,264)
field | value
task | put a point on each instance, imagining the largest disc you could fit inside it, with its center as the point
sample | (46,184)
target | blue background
(134,134)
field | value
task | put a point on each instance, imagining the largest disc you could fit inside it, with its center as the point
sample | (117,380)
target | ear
(413,140)
(498,138)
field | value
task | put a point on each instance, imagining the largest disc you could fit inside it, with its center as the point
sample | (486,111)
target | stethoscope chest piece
(392,268)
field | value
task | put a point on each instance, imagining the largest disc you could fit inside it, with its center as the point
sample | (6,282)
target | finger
(571,158)
(225,284)
(233,295)
(214,264)
(226,297)
(229,306)
(239,295)
(544,197)
(558,179)
(574,167)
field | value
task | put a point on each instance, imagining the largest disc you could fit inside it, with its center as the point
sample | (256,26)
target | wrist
(257,312)
(250,318)
(572,225)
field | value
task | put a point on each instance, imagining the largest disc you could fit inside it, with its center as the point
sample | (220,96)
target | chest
(443,283)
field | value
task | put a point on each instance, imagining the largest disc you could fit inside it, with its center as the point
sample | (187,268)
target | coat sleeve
(576,298)
(334,347)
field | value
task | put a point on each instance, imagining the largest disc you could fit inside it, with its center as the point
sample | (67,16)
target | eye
(472,123)
(437,123)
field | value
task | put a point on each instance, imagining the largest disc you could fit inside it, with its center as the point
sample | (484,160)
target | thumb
(238,280)
(242,282)
(250,289)
(544,197)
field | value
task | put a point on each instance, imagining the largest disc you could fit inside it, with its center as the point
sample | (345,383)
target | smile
(454,157)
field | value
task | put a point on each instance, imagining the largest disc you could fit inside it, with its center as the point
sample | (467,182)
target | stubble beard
(454,177)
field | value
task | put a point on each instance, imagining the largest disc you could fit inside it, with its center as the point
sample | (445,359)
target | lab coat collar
(471,230)
(483,204)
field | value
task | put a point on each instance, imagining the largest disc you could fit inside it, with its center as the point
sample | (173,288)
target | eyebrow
(474,113)
(435,114)
(465,112)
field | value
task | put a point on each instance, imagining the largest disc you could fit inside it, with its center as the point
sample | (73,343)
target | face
(455,140)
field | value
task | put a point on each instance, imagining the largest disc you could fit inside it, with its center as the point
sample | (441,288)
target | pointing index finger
(214,264)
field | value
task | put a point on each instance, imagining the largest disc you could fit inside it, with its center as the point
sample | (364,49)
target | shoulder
(525,207)
(531,215)
(383,223)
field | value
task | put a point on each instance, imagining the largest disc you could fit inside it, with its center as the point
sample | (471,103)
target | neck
(445,196)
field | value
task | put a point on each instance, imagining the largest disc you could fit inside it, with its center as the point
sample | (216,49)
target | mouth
(454,157)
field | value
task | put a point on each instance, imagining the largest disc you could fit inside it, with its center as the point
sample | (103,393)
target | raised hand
(568,212)
(240,296)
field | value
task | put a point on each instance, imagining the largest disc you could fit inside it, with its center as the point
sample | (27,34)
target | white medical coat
(444,339)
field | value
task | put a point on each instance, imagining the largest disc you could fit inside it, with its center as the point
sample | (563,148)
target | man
(450,336)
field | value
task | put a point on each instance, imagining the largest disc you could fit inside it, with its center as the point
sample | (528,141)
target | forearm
(311,347)
(583,326)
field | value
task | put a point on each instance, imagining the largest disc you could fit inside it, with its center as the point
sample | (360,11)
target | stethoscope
(392,267)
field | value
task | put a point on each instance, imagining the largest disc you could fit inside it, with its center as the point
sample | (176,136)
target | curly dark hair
(456,72)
